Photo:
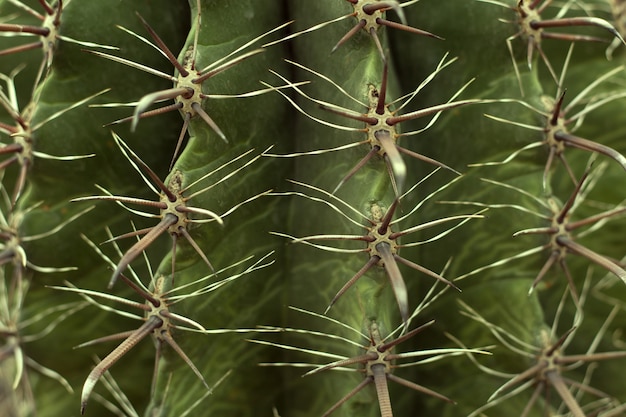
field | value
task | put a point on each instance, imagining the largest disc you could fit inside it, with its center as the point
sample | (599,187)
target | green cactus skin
(283,201)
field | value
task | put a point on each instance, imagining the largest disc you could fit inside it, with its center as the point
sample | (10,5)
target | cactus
(424,195)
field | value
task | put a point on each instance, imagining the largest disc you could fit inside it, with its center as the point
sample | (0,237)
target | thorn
(348,35)
(168,220)
(200,111)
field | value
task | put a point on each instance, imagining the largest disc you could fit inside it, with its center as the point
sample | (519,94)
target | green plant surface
(285,249)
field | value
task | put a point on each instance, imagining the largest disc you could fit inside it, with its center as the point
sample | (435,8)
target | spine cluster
(415,205)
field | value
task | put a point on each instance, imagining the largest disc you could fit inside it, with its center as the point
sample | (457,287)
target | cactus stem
(382,247)
(14,321)
(12,250)
(380,121)
(369,16)
(174,211)
(49,31)
(187,90)
(557,135)
(549,362)
(24,134)
(377,362)
(531,28)
(158,321)
(561,240)
(378,354)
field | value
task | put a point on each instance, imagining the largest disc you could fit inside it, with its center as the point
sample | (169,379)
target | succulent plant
(366,186)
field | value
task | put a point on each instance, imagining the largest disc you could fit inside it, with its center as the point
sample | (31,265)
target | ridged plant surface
(312,207)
